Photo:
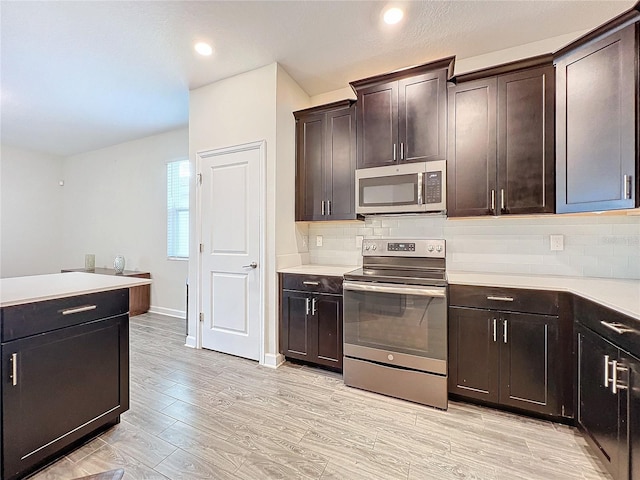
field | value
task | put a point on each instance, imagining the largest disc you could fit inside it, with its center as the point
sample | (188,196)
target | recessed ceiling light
(393,15)
(203,48)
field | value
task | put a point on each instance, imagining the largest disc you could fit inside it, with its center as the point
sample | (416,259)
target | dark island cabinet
(402,115)
(504,357)
(597,119)
(65,376)
(326,162)
(311,319)
(501,140)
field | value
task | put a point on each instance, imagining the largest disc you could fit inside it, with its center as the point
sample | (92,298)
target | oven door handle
(393,288)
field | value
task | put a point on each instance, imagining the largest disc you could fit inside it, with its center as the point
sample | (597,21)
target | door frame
(261,146)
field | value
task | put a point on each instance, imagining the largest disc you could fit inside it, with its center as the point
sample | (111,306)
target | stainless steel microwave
(406,188)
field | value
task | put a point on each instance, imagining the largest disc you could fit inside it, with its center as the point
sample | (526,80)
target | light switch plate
(318,240)
(359,239)
(556,243)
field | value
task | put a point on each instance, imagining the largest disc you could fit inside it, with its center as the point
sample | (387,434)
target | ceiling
(81,75)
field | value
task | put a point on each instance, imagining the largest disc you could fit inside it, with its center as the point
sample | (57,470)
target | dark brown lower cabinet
(610,416)
(62,385)
(311,325)
(510,358)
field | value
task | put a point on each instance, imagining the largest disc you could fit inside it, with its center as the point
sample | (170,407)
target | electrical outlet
(359,239)
(305,241)
(556,243)
(318,240)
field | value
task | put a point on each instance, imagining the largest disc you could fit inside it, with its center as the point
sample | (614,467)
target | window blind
(178,177)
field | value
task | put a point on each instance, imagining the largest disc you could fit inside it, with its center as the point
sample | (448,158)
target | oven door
(394,324)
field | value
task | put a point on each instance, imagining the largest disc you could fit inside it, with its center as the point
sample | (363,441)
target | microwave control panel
(433,187)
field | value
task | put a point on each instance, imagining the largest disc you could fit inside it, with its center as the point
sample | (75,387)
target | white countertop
(327,270)
(20,290)
(620,295)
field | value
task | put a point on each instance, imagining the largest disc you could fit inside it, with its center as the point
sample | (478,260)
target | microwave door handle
(420,188)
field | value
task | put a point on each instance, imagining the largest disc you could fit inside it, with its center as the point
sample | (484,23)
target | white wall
(606,246)
(30,213)
(115,203)
(234,111)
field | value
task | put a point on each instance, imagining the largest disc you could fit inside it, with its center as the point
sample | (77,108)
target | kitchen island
(65,364)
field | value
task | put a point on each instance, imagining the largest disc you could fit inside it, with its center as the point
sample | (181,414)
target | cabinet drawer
(311,283)
(506,299)
(33,318)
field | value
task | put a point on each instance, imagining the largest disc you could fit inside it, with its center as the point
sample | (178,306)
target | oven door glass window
(412,324)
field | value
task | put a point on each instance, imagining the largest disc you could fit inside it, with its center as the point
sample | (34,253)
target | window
(178,176)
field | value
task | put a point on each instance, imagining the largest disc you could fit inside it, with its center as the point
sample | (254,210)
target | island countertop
(36,288)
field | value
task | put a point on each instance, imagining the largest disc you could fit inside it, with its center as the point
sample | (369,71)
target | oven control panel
(403,248)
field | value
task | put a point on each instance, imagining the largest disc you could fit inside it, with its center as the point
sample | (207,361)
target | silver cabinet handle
(85,308)
(14,369)
(420,188)
(401,150)
(493,200)
(328,207)
(502,199)
(500,299)
(313,306)
(309,282)
(617,327)
(626,186)
(322,208)
(251,265)
(606,371)
(504,333)
(306,305)
(394,152)
(615,387)
(495,330)
(614,377)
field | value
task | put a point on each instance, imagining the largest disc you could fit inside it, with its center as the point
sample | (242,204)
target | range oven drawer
(420,387)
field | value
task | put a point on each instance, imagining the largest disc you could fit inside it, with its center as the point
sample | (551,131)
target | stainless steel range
(395,321)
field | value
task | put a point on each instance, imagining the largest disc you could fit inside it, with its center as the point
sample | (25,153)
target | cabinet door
(598,406)
(526,148)
(310,131)
(340,164)
(328,336)
(596,145)
(529,362)
(473,353)
(294,331)
(632,382)
(471,170)
(378,125)
(68,383)
(422,117)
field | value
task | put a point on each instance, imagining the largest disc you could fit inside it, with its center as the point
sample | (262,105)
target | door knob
(251,265)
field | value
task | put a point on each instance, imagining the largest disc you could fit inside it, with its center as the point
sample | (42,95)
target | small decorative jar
(118,264)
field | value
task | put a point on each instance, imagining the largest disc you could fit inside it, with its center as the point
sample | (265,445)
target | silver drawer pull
(14,369)
(500,299)
(309,282)
(606,371)
(617,327)
(86,308)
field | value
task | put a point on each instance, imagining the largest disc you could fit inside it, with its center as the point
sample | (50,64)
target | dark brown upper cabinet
(501,140)
(326,162)
(597,131)
(402,115)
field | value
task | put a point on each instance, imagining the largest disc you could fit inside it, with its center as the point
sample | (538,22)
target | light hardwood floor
(197,414)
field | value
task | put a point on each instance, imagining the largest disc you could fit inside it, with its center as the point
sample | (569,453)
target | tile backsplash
(594,246)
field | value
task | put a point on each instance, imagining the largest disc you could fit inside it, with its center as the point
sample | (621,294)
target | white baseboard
(190,342)
(170,312)
(273,360)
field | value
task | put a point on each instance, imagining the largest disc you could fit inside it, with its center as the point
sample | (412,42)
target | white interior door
(231,262)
